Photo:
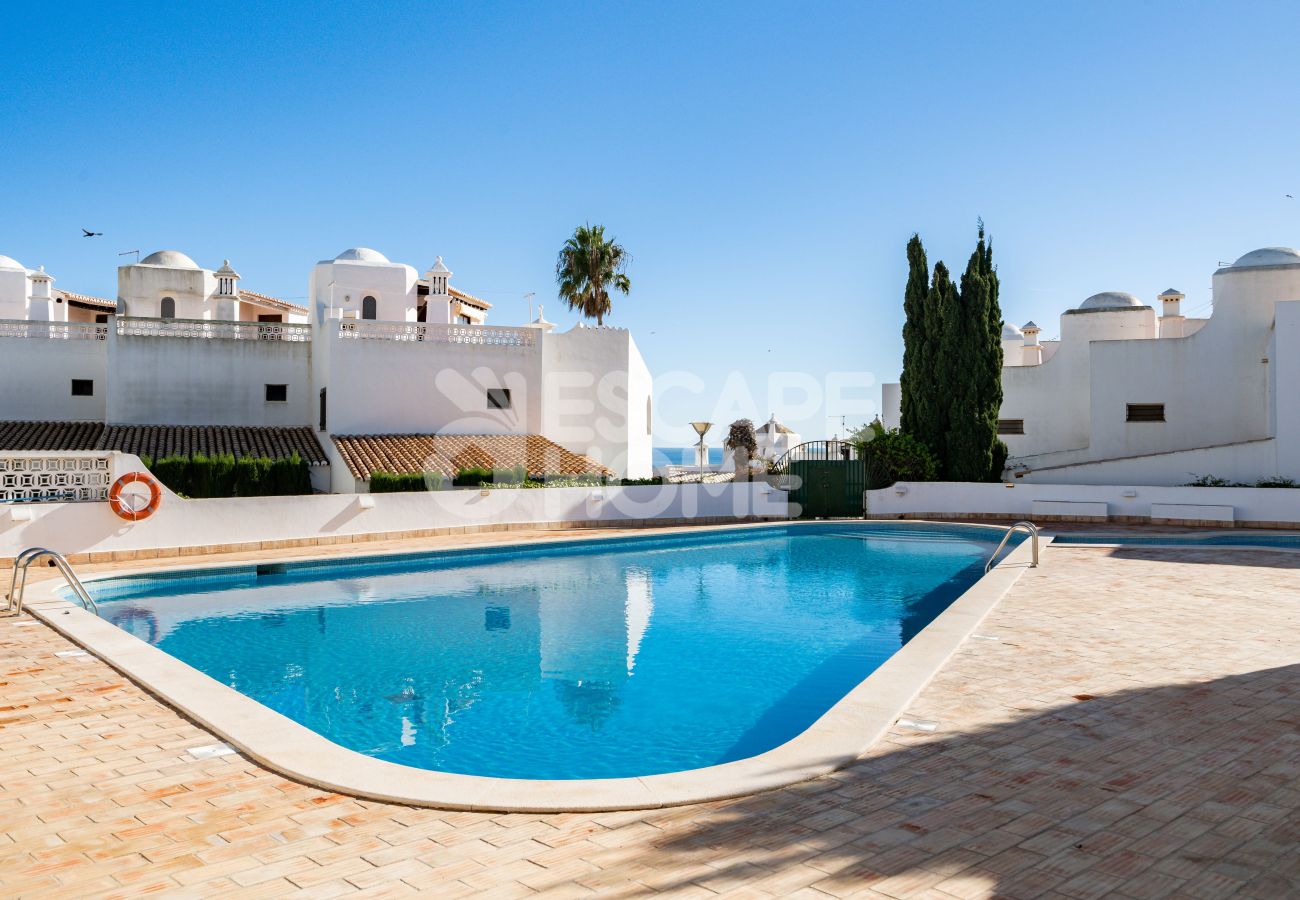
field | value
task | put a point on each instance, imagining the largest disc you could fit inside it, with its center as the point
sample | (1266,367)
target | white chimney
(1033,351)
(1171,313)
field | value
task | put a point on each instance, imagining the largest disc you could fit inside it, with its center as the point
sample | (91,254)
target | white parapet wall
(92,528)
(1225,507)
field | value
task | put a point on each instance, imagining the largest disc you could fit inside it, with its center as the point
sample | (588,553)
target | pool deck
(1126,722)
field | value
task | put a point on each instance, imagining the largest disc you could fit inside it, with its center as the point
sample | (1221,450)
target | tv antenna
(529,297)
(129,252)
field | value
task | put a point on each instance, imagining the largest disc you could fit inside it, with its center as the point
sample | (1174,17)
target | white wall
(393,285)
(891,403)
(1246,462)
(142,288)
(92,527)
(207,381)
(939,498)
(1284,371)
(407,387)
(597,396)
(37,377)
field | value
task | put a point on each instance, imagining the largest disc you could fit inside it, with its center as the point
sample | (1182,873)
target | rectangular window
(101,318)
(83,387)
(1011,426)
(277,393)
(1145,412)
(270,317)
(498,398)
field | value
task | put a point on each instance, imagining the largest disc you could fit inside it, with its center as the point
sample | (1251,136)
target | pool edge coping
(846,731)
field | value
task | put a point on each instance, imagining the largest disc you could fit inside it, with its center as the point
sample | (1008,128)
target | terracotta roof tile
(163,440)
(88,300)
(468,298)
(273,302)
(448,453)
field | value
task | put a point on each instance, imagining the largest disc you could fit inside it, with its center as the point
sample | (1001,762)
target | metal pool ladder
(1028,527)
(17,586)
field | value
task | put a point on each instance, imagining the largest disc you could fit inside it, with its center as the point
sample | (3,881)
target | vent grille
(1146,412)
(1011,426)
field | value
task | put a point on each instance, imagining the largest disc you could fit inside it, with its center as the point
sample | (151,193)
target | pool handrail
(1030,528)
(19,587)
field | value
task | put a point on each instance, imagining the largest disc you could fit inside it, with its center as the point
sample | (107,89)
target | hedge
(391,483)
(224,476)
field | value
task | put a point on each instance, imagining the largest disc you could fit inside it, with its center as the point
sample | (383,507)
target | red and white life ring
(123,507)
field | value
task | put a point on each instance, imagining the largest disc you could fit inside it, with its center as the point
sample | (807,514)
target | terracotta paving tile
(1179,777)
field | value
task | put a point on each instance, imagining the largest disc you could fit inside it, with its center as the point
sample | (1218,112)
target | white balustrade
(53,477)
(56,331)
(214,329)
(437,333)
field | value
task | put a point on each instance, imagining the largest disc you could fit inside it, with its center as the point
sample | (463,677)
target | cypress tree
(914,383)
(951,387)
(975,367)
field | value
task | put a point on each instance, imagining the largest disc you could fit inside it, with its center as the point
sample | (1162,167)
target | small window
(1011,426)
(464,319)
(167,309)
(83,387)
(1146,412)
(369,308)
(101,318)
(277,393)
(498,398)
(270,317)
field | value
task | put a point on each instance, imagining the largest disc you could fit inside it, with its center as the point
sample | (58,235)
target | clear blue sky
(764,164)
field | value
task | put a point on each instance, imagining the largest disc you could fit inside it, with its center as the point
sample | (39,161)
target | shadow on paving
(1190,788)
(1215,556)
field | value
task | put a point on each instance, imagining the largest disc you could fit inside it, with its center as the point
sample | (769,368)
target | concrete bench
(1191,514)
(1071,510)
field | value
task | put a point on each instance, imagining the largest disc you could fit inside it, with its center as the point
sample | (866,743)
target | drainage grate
(211,751)
(918,724)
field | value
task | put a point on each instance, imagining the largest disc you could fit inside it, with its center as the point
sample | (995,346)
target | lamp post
(701,449)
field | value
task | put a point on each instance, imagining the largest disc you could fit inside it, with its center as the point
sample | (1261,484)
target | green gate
(825,479)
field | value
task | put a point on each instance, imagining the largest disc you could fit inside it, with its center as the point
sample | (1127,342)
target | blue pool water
(615,658)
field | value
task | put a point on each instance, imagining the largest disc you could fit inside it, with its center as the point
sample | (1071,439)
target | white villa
(1129,396)
(381,361)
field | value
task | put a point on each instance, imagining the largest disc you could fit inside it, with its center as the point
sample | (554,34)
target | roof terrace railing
(49,476)
(437,333)
(214,329)
(54,331)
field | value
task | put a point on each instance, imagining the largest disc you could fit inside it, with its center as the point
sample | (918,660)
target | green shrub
(224,476)
(1277,481)
(392,483)
(892,456)
(472,477)
(173,471)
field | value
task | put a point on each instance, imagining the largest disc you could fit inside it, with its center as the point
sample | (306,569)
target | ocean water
(683,456)
(619,658)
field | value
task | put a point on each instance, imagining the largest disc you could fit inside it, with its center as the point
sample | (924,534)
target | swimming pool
(612,658)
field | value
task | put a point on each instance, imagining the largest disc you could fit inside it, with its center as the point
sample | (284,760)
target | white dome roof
(1111,300)
(1011,332)
(8,262)
(1269,256)
(362,254)
(169,259)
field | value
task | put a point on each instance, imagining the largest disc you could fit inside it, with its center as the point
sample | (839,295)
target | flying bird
(85,232)
(1289,197)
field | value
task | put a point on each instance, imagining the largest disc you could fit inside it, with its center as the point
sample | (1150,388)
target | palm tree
(588,268)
